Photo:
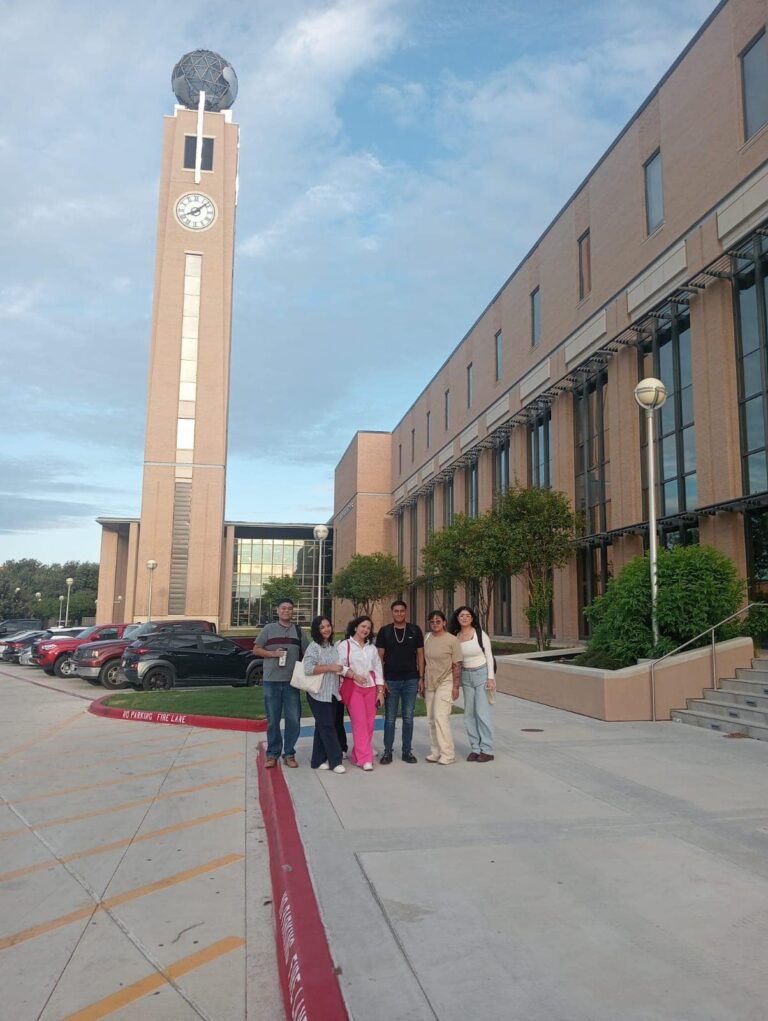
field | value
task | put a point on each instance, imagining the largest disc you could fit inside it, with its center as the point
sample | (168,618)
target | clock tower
(185,453)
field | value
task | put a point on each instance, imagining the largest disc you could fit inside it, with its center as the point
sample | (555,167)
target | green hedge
(698,586)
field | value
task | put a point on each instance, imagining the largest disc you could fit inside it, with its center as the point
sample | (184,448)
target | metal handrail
(655,662)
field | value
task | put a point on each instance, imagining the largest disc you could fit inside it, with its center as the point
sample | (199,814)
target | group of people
(363,671)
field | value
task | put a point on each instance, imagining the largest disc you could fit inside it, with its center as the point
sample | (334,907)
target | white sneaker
(368,767)
(323,765)
(339,769)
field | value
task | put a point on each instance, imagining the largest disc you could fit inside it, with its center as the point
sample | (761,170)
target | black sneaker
(386,759)
(409,757)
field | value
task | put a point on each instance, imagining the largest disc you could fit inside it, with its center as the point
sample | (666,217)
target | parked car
(15,625)
(11,648)
(54,654)
(164,661)
(99,662)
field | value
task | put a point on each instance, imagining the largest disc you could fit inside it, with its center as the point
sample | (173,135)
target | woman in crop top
(477,681)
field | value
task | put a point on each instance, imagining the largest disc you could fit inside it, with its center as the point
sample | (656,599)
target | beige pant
(439,705)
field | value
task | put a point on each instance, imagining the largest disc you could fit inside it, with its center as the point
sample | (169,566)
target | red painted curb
(176,719)
(310,987)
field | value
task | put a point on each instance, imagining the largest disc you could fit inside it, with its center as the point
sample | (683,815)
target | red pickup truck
(99,661)
(54,655)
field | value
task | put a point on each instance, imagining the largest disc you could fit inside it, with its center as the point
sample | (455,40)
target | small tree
(698,587)
(280,587)
(471,552)
(367,579)
(541,529)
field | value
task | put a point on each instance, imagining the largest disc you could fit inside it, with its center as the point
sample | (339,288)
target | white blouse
(476,656)
(363,660)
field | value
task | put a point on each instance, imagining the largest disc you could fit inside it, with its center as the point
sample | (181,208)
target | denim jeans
(478,719)
(281,700)
(405,693)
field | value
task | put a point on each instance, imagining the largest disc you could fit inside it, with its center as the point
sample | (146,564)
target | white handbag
(311,683)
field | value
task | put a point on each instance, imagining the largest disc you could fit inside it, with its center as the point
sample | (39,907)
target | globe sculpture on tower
(204,71)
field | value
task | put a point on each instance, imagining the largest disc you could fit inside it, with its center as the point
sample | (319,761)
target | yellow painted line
(60,820)
(102,1008)
(117,844)
(125,779)
(41,737)
(113,902)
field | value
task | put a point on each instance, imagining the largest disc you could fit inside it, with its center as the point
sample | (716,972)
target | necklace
(399,640)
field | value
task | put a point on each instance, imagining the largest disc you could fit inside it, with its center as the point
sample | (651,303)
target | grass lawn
(242,703)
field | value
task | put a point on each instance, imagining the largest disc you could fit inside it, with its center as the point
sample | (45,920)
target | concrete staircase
(738,706)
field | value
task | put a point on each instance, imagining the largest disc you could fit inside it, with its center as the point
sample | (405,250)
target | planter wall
(619,695)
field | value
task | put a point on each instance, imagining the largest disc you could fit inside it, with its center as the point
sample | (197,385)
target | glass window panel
(670,498)
(535,317)
(669,457)
(665,364)
(668,415)
(750,336)
(756,473)
(689,449)
(754,69)
(684,344)
(654,198)
(754,423)
(686,406)
(753,380)
(691,492)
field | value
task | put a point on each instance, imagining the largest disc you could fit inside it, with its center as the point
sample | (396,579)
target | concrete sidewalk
(593,872)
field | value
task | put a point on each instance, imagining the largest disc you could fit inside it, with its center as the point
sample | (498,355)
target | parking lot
(134,865)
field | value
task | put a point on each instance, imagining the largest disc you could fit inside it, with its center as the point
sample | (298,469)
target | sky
(398,158)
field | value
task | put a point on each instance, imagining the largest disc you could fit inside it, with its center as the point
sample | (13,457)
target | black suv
(14,625)
(170,659)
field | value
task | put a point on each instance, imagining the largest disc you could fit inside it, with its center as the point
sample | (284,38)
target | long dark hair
(454,627)
(314,630)
(354,624)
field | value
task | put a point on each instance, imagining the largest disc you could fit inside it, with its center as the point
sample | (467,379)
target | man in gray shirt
(281,644)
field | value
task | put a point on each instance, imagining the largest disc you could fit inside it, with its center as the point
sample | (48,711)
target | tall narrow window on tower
(429,429)
(499,355)
(470,385)
(190,145)
(447,408)
(540,451)
(654,194)
(754,79)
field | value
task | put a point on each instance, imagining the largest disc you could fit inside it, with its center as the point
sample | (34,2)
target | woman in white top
(362,687)
(477,682)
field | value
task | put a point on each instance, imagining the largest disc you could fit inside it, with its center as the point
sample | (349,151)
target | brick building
(656,265)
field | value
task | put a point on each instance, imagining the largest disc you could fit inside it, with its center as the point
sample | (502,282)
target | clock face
(195,211)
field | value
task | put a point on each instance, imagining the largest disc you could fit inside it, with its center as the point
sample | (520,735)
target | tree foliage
(541,527)
(698,586)
(472,552)
(277,588)
(30,576)
(368,579)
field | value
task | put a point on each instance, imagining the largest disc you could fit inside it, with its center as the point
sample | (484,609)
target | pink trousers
(361,703)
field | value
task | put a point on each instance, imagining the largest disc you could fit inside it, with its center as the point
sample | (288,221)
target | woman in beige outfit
(442,677)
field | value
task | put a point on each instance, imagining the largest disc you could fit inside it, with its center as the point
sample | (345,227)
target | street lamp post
(61,609)
(651,394)
(151,567)
(70,583)
(320,532)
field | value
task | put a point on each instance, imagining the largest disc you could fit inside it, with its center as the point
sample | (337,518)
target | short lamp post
(651,394)
(320,532)
(61,609)
(70,583)
(151,567)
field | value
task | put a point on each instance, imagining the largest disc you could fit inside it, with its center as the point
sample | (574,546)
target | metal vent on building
(182,509)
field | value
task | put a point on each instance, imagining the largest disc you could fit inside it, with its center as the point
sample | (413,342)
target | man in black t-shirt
(401,648)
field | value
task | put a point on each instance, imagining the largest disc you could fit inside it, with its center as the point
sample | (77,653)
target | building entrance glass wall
(278,551)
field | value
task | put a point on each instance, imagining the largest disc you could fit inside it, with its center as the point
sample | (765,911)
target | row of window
(754,74)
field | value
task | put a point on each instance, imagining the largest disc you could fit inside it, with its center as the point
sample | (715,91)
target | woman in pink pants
(362,687)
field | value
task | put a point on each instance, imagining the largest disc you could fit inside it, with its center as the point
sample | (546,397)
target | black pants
(338,707)
(326,746)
